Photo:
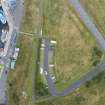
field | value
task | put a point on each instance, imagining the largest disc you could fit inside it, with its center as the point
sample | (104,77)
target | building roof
(2,17)
(13,64)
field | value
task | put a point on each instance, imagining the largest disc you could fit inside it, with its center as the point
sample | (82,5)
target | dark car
(6,72)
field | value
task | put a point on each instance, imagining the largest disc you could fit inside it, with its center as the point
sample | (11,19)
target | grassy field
(91,94)
(76,51)
(32,16)
(96,9)
(21,81)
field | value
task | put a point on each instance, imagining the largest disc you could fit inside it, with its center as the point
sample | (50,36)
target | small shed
(13,64)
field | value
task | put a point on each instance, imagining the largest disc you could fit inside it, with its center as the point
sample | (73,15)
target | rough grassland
(21,80)
(93,95)
(75,53)
(96,9)
(93,92)
(32,17)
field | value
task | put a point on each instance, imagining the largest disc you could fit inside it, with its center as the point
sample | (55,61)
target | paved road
(88,22)
(99,68)
(3,79)
(13,28)
(6,61)
(51,86)
(19,13)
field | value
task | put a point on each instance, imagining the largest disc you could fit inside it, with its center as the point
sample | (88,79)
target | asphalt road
(3,80)
(6,60)
(51,85)
(19,13)
(13,30)
(89,23)
(93,72)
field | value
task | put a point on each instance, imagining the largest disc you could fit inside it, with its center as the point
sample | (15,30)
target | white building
(16,53)
(2,17)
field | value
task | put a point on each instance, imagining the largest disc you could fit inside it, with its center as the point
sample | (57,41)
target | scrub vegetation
(91,93)
(96,9)
(75,53)
(21,81)
(76,50)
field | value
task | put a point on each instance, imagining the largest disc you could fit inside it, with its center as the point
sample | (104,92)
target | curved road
(13,30)
(93,72)
(51,86)
(89,23)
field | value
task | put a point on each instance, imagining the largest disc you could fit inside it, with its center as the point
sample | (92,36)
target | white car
(53,78)
(45,72)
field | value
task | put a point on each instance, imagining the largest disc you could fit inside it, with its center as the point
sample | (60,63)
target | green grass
(96,10)
(22,79)
(94,94)
(32,17)
(76,50)
(41,82)
(21,89)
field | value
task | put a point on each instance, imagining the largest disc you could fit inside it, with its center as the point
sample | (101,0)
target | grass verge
(21,89)
(76,50)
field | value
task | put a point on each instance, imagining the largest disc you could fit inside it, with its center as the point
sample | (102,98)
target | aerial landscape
(52,52)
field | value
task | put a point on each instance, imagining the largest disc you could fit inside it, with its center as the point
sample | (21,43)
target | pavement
(13,30)
(19,13)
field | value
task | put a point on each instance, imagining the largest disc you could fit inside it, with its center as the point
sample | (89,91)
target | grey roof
(2,17)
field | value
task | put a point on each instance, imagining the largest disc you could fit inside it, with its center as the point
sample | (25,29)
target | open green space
(92,93)
(76,50)
(40,80)
(32,17)
(41,87)
(96,10)
(21,81)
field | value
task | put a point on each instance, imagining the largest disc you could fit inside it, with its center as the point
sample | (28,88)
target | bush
(96,55)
